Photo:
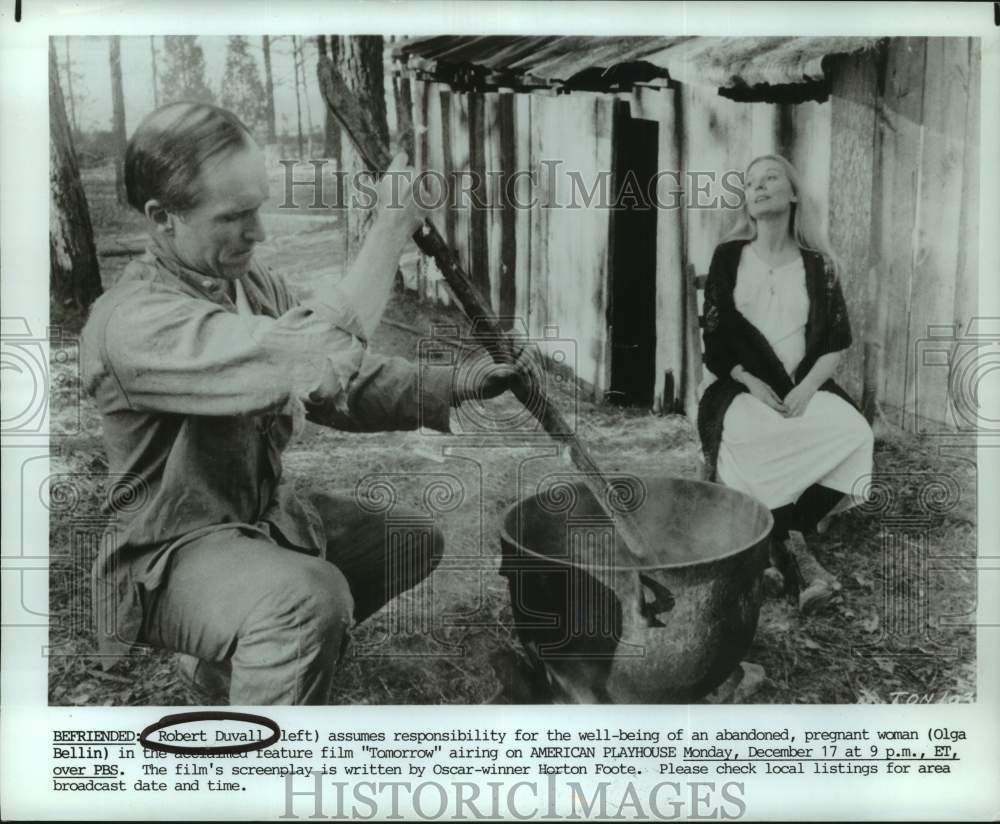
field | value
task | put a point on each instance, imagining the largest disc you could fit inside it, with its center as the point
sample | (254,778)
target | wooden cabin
(883,131)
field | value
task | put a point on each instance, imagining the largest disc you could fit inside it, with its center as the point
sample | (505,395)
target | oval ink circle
(209,715)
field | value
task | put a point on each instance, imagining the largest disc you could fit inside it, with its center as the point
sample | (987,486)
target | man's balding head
(169,149)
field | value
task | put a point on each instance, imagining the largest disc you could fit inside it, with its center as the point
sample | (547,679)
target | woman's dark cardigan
(731,339)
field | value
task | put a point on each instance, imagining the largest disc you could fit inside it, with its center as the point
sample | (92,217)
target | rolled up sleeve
(172,353)
(390,393)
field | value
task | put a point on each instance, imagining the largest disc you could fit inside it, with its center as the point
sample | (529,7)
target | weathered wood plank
(447,168)
(939,231)
(763,128)
(853,102)
(494,214)
(569,238)
(541,120)
(520,193)
(460,180)
(435,154)
(417,275)
(810,150)
(967,286)
(715,142)
(901,168)
(873,361)
(506,142)
(659,105)
(404,111)
(476,211)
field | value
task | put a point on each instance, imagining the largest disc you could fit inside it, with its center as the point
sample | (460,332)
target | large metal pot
(602,630)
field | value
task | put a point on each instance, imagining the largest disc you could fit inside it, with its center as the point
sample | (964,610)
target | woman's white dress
(763,453)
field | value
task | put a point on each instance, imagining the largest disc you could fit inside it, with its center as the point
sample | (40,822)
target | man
(202,363)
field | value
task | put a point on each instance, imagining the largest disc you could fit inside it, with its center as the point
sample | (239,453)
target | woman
(772,421)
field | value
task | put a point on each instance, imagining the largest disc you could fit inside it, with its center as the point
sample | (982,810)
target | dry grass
(881,636)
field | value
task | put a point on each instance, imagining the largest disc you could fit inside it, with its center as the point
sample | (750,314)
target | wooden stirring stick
(356,122)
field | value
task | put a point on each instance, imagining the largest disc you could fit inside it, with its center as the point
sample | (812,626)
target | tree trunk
(69,90)
(331,128)
(298,100)
(272,132)
(118,117)
(75,279)
(334,140)
(305,93)
(359,62)
(404,112)
(152,61)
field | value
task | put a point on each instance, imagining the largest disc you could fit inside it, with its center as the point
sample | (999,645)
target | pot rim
(504,535)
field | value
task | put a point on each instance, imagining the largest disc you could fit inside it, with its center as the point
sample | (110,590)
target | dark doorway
(632,313)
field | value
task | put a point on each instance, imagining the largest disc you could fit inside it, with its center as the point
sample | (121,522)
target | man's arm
(369,280)
(389,393)
(167,352)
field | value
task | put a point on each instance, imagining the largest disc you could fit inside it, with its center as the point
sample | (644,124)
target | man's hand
(482,378)
(797,400)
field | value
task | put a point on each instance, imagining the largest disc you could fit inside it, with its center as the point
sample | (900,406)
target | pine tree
(74,275)
(118,116)
(184,75)
(242,90)
(272,135)
(358,59)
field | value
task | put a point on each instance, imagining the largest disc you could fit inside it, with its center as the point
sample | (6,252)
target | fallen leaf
(886,665)
(809,643)
(866,582)
(867,696)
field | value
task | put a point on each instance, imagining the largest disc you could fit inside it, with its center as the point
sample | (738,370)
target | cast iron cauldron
(602,630)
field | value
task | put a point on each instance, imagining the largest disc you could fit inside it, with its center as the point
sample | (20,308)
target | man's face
(217,237)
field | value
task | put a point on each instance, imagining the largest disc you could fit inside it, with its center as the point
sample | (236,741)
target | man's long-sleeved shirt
(198,401)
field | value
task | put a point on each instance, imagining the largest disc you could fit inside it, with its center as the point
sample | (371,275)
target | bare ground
(902,632)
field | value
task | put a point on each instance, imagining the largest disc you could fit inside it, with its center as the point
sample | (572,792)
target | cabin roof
(749,68)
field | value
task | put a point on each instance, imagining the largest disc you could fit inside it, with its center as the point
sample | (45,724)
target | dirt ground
(895,632)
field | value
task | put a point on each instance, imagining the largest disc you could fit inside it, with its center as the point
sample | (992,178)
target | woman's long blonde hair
(804,222)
